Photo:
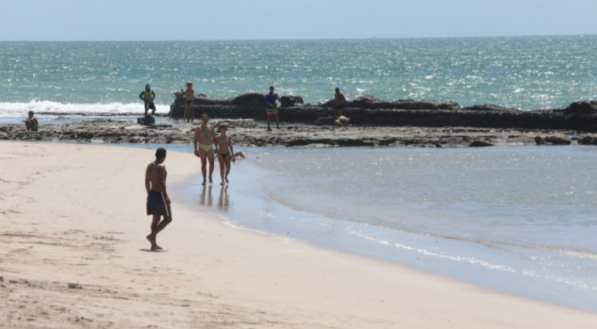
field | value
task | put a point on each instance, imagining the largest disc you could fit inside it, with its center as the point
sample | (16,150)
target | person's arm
(195,140)
(343,99)
(153,94)
(35,121)
(213,138)
(141,96)
(230,146)
(147,180)
(162,177)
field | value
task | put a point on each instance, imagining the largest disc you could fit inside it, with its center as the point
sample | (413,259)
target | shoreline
(221,276)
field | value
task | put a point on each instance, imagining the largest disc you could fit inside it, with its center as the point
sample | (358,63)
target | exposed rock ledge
(246,133)
(369,110)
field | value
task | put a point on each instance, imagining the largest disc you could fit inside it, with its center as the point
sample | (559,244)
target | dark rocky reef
(248,133)
(369,110)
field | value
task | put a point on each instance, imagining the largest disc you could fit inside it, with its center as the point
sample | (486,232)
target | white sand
(73,212)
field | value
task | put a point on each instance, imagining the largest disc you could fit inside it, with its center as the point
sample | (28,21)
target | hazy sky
(57,20)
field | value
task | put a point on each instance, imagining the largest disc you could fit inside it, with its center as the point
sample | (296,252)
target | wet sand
(76,213)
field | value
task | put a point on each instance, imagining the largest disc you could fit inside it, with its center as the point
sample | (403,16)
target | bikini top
(224,140)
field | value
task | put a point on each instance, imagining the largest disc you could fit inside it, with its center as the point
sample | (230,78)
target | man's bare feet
(203,183)
(151,240)
(211,181)
(227,181)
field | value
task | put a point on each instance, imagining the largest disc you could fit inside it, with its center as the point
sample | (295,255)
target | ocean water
(517,219)
(520,72)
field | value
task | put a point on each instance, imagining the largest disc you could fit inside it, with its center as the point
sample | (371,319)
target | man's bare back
(156,174)
(339,99)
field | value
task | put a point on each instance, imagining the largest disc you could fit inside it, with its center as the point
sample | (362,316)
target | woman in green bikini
(225,152)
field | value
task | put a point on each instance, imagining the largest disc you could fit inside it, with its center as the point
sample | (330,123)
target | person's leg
(154,227)
(146,108)
(277,120)
(152,109)
(210,158)
(157,227)
(268,118)
(221,161)
(192,112)
(203,156)
(228,160)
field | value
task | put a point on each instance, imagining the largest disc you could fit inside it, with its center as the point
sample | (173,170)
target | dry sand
(76,213)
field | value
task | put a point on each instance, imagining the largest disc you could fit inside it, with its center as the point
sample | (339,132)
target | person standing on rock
(339,102)
(158,201)
(271,107)
(189,108)
(147,96)
(204,146)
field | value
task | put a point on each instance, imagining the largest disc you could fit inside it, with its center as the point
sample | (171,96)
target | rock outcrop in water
(369,110)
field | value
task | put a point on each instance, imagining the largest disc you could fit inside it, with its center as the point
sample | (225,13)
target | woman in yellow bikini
(225,152)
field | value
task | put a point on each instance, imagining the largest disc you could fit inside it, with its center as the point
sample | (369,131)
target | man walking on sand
(271,108)
(158,202)
(189,109)
(147,96)
(205,137)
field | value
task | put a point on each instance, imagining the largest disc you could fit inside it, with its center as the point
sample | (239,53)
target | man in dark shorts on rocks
(147,96)
(271,108)
(339,102)
(158,202)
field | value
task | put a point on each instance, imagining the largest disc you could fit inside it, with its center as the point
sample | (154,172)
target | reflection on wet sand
(206,198)
(224,201)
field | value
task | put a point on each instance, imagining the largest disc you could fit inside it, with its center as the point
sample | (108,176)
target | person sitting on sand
(158,201)
(147,96)
(203,141)
(31,122)
(189,109)
(271,107)
(238,155)
(339,102)
(225,152)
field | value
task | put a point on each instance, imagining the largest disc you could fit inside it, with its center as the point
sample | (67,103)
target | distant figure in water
(238,155)
(31,123)
(271,107)
(339,102)
(204,140)
(225,152)
(158,201)
(189,109)
(147,96)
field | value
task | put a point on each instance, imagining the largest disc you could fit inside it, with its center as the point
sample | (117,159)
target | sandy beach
(73,212)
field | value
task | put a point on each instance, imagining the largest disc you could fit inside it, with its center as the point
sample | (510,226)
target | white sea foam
(41,107)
